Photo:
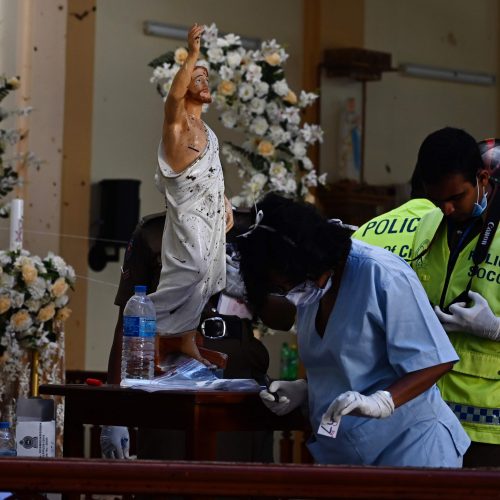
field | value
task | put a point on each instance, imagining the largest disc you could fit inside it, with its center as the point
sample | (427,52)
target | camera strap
(487,234)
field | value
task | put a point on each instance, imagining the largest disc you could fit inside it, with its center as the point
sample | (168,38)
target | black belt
(221,326)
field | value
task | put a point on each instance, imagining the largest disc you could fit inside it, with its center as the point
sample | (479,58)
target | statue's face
(198,89)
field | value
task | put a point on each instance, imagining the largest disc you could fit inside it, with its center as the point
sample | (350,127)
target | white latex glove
(115,441)
(378,405)
(235,287)
(291,394)
(478,319)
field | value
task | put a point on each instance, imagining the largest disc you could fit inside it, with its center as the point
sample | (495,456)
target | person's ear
(483,177)
(323,279)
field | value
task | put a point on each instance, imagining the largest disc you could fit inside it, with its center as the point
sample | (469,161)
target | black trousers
(482,455)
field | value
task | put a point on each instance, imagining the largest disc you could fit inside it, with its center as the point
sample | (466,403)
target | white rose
(277,169)
(253,73)
(233,59)
(70,274)
(33,305)
(6,281)
(219,101)
(229,118)
(222,42)
(281,88)
(273,112)
(226,73)
(17,299)
(299,149)
(245,91)
(61,301)
(311,179)
(306,163)
(291,186)
(58,263)
(232,39)
(257,105)
(215,55)
(257,182)
(291,115)
(259,126)
(37,289)
(278,135)
(261,88)
(4,258)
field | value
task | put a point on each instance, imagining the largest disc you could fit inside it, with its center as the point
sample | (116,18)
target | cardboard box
(35,428)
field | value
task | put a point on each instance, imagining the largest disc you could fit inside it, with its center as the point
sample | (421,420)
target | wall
(32,46)
(400,110)
(127,112)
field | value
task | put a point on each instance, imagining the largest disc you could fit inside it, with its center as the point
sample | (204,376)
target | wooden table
(202,414)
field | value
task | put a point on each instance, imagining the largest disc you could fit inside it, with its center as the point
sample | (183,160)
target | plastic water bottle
(285,361)
(293,363)
(7,441)
(139,331)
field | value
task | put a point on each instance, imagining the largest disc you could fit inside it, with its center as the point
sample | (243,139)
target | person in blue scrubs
(368,338)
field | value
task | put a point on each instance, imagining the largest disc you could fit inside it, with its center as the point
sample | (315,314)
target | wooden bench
(202,479)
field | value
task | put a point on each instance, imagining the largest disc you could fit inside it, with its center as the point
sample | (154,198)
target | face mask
(308,293)
(479,208)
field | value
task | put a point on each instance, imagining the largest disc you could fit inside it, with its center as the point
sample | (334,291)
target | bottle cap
(140,289)
(4,425)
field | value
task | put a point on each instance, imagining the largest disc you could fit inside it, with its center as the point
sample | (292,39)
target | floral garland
(250,91)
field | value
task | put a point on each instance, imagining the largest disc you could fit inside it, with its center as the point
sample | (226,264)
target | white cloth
(193,244)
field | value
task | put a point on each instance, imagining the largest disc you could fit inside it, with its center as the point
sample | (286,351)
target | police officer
(247,356)
(457,252)
(395,230)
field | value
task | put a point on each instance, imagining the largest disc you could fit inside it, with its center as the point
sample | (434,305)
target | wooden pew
(209,479)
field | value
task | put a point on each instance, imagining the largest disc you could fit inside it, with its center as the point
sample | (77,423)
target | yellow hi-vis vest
(472,387)
(394,230)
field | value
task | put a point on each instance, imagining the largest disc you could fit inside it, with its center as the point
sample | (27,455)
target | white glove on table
(291,394)
(478,319)
(378,405)
(115,441)
(235,287)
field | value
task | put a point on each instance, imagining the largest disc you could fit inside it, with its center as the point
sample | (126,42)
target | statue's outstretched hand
(194,38)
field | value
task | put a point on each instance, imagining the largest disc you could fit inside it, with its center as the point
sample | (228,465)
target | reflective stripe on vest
(475,415)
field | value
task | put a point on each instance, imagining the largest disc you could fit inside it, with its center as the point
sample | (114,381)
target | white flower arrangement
(33,299)
(250,91)
(9,177)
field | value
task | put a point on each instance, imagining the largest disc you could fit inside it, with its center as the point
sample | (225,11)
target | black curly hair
(448,151)
(292,241)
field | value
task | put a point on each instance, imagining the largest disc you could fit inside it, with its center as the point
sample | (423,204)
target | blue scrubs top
(381,328)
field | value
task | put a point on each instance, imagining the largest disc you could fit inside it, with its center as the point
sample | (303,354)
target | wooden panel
(342,23)
(77,149)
